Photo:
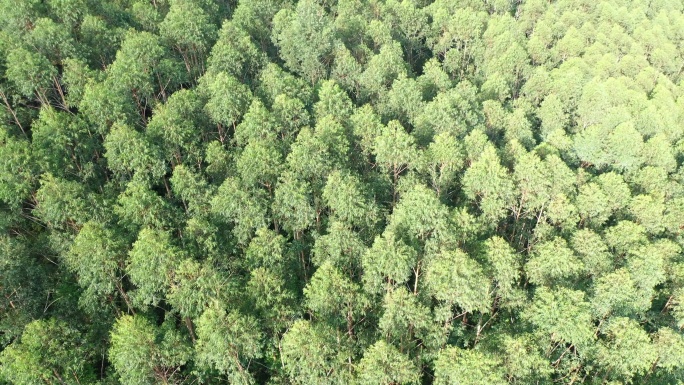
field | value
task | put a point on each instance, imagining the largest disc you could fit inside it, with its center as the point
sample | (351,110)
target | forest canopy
(341,192)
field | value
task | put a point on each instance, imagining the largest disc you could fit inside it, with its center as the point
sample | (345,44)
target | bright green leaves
(304,36)
(619,148)
(293,204)
(344,196)
(562,315)
(592,251)
(442,161)
(97,257)
(523,360)
(195,286)
(260,163)
(228,98)
(152,261)
(61,203)
(139,65)
(596,202)
(488,183)
(395,151)
(140,206)
(409,324)
(188,28)
(504,265)
(267,249)
(256,125)
(387,263)
(103,104)
(234,52)
(311,355)
(128,151)
(670,347)
(451,276)
(447,192)
(31,73)
(238,206)
(62,144)
(144,353)
(627,350)
(552,262)
(615,293)
(178,127)
(468,367)
(16,169)
(49,351)
(333,297)
(333,101)
(383,364)
(228,342)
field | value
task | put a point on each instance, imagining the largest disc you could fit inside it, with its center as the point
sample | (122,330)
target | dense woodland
(341,192)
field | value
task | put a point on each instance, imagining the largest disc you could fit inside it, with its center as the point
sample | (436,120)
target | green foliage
(48,351)
(228,342)
(459,366)
(152,261)
(142,352)
(16,169)
(384,364)
(311,355)
(341,192)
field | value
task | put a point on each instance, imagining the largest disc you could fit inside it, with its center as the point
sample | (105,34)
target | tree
(142,352)
(179,128)
(487,183)
(23,296)
(552,262)
(49,351)
(103,103)
(382,363)
(332,101)
(311,355)
(442,161)
(63,145)
(274,81)
(387,263)
(194,287)
(140,67)
(627,350)
(394,151)
(503,265)
(234,52)
(453,277)
(409,324)
(222,110)
(245,210)
(97,257)
(31,73)
(333,298)
(304,37)
(561,315)
(228,342)
(293,204)
(463,366)
(188,28)
(152,261)
(341,191)
(16,169)
(140,206)
(347,202)
(61,203)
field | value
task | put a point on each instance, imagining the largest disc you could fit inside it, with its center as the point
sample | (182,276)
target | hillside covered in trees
(341,192)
